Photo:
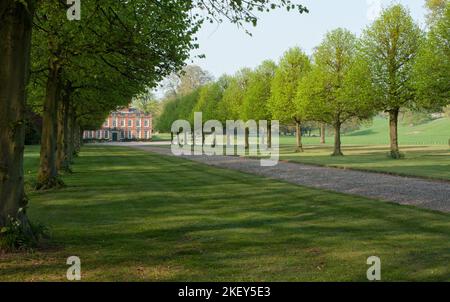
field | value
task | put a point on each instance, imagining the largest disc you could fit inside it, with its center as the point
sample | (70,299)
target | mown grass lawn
(422,161)
(425,148)
(132,216)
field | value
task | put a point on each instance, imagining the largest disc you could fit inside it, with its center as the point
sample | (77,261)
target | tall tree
(16,19)
(337,89)
(431,71)
(293,66)
(391,45)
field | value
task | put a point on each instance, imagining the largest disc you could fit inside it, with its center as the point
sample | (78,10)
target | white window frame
(130,123)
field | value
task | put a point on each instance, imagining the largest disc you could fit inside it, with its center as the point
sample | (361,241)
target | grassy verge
(420,161)
(134,216)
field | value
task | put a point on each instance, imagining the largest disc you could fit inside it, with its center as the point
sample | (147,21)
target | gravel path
(403,190)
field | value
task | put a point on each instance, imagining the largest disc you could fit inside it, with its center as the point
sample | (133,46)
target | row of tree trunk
(61,133)
(15,43)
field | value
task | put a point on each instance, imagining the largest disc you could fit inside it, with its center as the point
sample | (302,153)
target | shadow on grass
(157,218)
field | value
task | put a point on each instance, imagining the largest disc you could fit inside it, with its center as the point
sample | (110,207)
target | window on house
(130,123)
(129,134)
(106,134)
(114,123)
(146,123)
(122,123)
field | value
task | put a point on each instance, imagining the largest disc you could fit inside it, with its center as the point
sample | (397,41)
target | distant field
(425,149)
(436,132)
(160,137)
(423,161)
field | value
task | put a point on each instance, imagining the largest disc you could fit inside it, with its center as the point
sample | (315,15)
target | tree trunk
(337,139)
(247,133)
(48,174)
(15,43)
(393,131)
(77,137)
(269,135)
(71,134)
(62,157)
(322,133)
(298,135)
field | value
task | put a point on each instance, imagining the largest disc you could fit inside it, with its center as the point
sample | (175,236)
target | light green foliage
(337,89)
(390,46)
(293,66)
(436,9)
(209,99)
(431,71)
(176,109)
(258,92)
(230,107)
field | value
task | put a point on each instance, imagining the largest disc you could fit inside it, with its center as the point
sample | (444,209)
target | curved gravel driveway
(403,190)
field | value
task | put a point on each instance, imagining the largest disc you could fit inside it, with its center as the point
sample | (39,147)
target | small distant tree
(391,45)
(293,66)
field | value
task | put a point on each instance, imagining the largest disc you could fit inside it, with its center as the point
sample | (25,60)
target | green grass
(161,137)
(425,149)
(421,161)
(436,132)
(131,215)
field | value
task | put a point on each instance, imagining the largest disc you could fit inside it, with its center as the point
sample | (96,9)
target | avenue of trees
(393,66)
(73,73)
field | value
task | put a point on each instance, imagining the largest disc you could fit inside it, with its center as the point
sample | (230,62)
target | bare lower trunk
(337,140)
(48,174)
(71,134)
(298,135)
(393,132)
(247,133)
(322,134)
(269,135)
(77,137)
(15,42)
(62,157)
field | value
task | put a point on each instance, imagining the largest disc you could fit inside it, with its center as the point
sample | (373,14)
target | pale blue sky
(228,48)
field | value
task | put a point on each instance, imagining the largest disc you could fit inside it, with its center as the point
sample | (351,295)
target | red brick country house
(123,125)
